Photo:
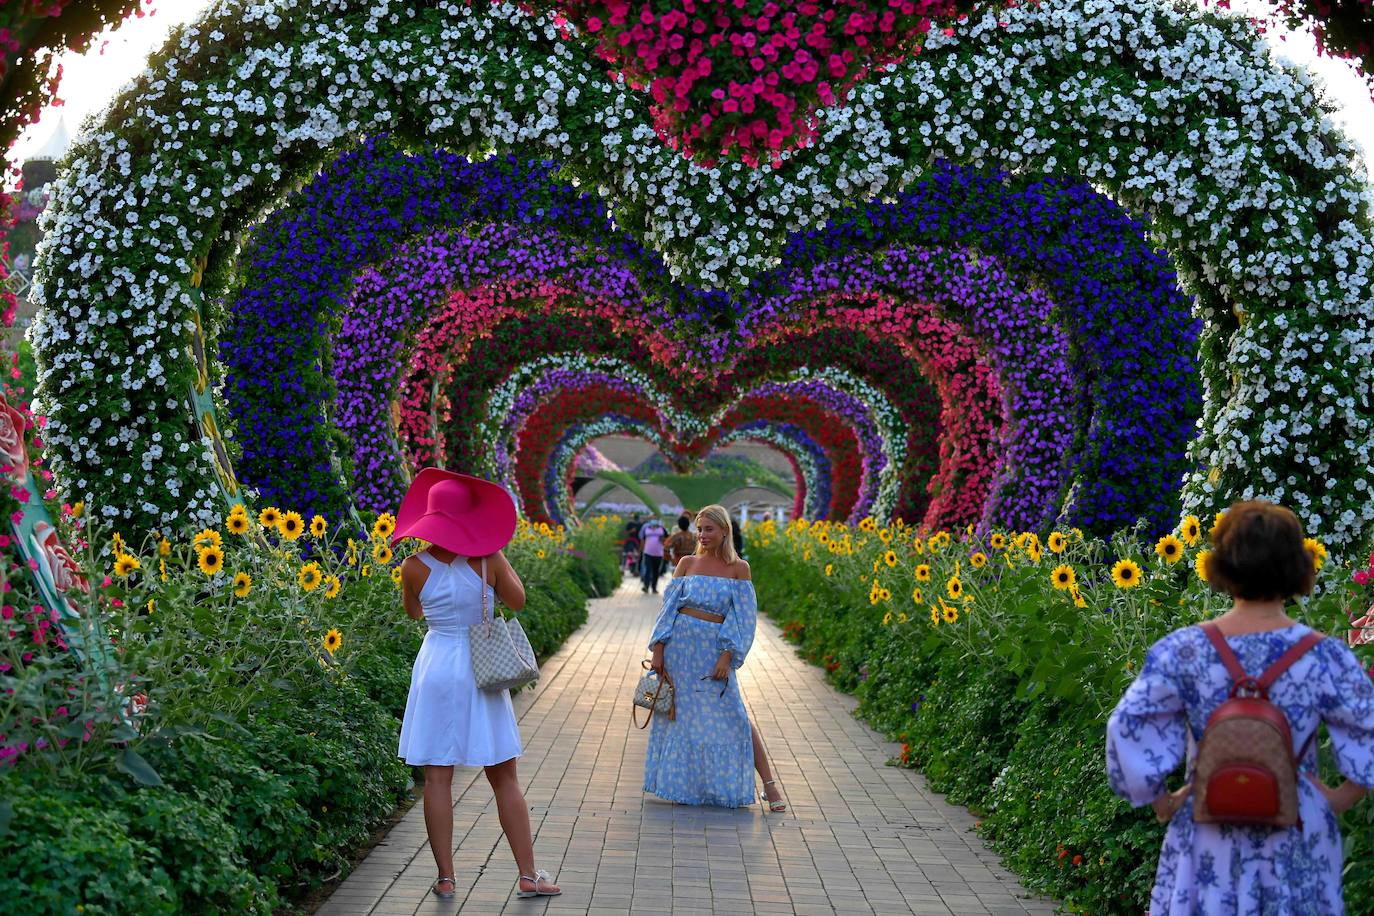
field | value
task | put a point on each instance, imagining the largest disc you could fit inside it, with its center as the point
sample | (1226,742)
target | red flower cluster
(743,79)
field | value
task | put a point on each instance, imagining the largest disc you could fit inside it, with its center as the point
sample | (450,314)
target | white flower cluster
(1183,118)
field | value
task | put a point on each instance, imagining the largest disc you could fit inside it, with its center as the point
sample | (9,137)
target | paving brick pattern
(858,836)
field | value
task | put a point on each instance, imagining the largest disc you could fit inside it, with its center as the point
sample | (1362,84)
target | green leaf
(6,815)
(131,763)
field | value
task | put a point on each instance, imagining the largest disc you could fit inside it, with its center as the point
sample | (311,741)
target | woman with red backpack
(1242,698)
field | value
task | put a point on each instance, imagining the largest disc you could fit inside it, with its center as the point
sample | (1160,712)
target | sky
(91,80)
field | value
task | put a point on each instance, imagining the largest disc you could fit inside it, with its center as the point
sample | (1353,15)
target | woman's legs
(770,788)
(515,818)
(439,817)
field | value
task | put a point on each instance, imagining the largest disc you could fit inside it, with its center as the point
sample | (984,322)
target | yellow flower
(540,554)
(978,560)
(162,568)
(1200,564)
(352,553)
(829,568)
(236,523)
(365,571)
(332,640)
(211,559)
(885,594)
(951,614)
(78,507)
(1217,521)
(902,617)
(868,524)
(1078,598)
(1077,532)
(396,575)
(1170,549)
(381,553)
(1191,529)
(1126,574)
(890,558)
(917,597)
(918,546)
(310,576)
(885,536)
(269,517)
(1033,551)
(923,573)
(164,547)
(1316,550)
(887,619)
(151,605)
(1063,578)
(998,541)
(383,526)
(318,526)
(1056,542)
(125,564)
(934,615)
(208,536)
(332,585)
(1025,540)
(118,543)
(954,587)
(291,525)
(243,584)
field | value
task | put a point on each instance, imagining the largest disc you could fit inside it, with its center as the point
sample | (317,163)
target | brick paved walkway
(858,837)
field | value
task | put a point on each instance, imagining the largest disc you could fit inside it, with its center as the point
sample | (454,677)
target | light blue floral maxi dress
(1225,870)
(706,755)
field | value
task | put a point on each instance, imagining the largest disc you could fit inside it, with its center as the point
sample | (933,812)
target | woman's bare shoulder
(741,570)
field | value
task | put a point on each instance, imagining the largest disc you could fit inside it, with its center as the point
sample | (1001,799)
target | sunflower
(243,584)
(917,597)
(1170,549)
(951,614)
(540,554)
(1200,564)
(1126,574)
(978,560)
(318,526)
(1077,598)
(332,585)
(923,573)
(164,547)
(396,575)
(1056,542)
(291,525)
(1191,529)
(1216,522)
(1316,550)
(890,558)
(365,571)
(887,619)
(310,576)
(237,524)
(954,587)
(381,553)
(208,536)
(269,517)
(823,538)
(829,568)
(934,615)
(211,559)
(885,536)
(125,564)
(998,541)
(1063,578)
(918,546)
(383,526)
(332,640)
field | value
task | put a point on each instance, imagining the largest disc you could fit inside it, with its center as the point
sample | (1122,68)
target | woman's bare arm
(414,574)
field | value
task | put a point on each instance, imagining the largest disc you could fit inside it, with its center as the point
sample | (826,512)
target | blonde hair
(721,518)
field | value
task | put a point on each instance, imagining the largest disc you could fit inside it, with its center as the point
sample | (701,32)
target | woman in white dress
(449,721)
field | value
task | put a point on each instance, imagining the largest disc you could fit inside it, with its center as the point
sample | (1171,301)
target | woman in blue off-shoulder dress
(1231,869)
(705,755)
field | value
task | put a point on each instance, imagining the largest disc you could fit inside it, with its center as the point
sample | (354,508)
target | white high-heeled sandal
(777,806)
(540,878)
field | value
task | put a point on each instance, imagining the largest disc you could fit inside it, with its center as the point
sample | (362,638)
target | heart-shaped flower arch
(179,168)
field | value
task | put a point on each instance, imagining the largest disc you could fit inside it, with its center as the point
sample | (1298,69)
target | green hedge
(262,762)
(998,710)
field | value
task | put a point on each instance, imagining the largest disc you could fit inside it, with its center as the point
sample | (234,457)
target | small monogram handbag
(502,658)
(654,694)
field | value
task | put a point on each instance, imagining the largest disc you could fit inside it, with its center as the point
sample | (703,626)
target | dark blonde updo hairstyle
(1258,554)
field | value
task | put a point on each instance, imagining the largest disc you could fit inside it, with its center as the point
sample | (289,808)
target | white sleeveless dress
(449,720)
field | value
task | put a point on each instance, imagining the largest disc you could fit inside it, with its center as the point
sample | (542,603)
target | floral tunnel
(835,420)
(383,295)
(1297,280)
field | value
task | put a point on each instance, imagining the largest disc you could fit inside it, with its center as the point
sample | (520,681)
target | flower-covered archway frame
(1269,225)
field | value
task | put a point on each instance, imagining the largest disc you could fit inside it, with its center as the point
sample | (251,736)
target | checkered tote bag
(502,658)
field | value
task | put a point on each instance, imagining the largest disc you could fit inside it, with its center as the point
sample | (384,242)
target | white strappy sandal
(541,881)
(776,805)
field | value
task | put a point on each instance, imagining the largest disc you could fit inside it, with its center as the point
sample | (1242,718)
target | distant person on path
(449,721)
(1258,557)
(651,538)
(682,543)
(706,755)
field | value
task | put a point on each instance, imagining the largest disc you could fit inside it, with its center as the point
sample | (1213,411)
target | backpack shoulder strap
(1228,658)
(1299,649)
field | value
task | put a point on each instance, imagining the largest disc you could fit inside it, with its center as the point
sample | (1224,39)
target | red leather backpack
(1245,771)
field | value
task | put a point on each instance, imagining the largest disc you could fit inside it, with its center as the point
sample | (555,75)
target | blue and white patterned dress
(1231,870)
(706,755)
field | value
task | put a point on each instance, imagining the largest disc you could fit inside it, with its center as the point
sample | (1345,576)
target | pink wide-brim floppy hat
(468,515)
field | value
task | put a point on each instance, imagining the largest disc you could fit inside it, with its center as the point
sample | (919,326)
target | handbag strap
(486,617)
(663,679)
